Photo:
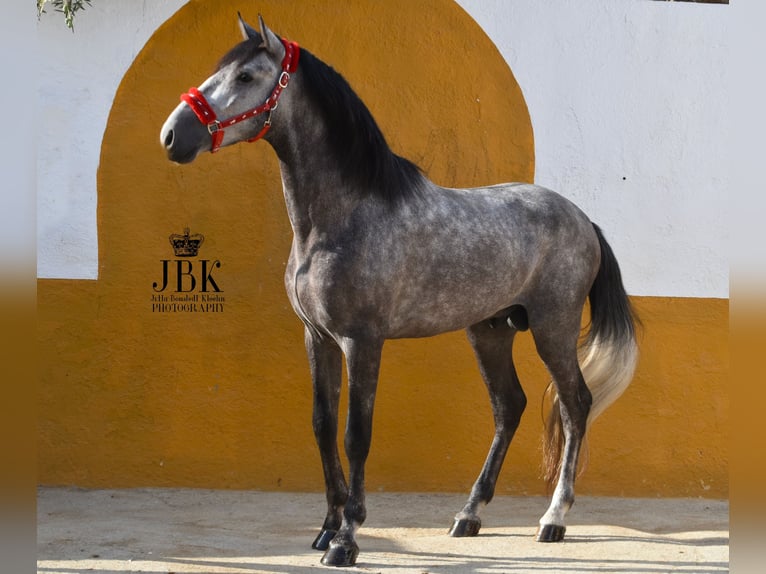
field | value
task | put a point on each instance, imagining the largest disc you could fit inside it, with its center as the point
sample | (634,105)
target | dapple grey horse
(380,252)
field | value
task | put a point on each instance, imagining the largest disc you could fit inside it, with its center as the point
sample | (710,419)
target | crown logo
(186,245)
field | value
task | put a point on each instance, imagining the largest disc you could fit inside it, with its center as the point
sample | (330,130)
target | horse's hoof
(341,554)
(322,541)
(465,527)
(551,533)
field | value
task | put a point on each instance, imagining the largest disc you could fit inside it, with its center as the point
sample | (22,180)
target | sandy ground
(217,532)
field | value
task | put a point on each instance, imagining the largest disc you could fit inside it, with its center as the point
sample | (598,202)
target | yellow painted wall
(134,397)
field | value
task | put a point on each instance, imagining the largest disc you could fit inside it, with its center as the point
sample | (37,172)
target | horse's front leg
(363,364)
(325,361)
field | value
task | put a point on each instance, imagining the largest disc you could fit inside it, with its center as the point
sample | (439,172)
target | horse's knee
(508,415)
(322,422)
(518,402)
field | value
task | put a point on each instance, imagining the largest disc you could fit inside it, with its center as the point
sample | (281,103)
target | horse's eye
(244,77)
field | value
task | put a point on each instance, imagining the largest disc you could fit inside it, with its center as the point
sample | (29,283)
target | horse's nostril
(169,139)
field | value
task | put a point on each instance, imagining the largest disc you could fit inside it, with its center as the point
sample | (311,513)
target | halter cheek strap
(205,113)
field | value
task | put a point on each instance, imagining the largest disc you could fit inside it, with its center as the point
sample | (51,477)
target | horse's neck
(316,200)
(315,191)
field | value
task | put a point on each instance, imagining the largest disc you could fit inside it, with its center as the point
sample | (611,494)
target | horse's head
(235,103)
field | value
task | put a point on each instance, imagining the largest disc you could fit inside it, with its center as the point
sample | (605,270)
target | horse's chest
(318,290)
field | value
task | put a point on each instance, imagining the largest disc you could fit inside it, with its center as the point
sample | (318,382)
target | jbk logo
(186,285)
(185,280)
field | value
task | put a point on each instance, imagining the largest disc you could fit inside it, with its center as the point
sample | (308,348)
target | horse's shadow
(384,553)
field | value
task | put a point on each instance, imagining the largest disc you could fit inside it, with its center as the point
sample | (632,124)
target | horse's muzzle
(177,150)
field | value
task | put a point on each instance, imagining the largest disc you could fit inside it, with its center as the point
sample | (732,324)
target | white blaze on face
(215,92)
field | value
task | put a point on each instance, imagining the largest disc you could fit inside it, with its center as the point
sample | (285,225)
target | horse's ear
(269,39)
(248,32)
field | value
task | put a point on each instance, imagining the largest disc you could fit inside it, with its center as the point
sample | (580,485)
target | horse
(381,252)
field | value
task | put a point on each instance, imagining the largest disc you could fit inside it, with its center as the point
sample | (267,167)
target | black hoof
(322,541)
(551,533)
(340,554)
(465,527)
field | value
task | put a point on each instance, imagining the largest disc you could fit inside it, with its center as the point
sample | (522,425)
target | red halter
(206,115)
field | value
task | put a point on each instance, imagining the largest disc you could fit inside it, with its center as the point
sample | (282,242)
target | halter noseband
(207,116)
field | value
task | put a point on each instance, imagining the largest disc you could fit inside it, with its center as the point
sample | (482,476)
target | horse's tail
(608,355)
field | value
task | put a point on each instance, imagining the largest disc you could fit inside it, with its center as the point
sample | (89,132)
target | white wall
(17,147)
(628,105)
(79,75)
(626,99)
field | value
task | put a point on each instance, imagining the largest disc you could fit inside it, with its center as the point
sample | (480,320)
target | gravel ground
(224,532)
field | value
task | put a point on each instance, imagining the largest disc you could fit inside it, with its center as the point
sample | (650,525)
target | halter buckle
(213,127)
(284,79)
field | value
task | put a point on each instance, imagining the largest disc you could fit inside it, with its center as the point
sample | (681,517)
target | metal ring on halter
(284,79)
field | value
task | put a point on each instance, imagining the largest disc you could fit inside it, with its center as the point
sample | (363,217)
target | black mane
(355,140)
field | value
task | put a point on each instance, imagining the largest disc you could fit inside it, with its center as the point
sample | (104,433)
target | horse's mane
(355,140)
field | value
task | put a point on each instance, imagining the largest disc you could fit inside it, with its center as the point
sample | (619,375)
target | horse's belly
(425,312)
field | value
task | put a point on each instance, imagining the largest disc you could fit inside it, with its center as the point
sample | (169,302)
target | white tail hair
(608,357)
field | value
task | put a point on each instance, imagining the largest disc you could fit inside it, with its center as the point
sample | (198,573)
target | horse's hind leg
(557,346)
(492,343)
